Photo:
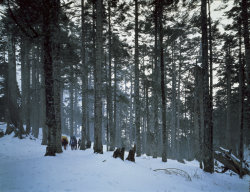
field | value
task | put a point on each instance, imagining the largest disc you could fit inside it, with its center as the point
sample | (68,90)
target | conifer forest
(163,85)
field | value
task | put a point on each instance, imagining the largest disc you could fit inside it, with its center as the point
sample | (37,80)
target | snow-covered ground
(23,167)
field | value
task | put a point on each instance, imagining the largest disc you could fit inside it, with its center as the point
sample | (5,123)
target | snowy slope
(23,167)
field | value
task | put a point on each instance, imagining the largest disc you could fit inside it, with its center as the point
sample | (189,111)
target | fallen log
(231,162)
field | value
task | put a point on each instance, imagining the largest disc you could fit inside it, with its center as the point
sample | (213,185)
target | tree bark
(13,108)
(109,99)
(84,82)
(245,14)
(241,100)
(208,131)
(137,100)
(155,85)
(98,148)
(48,74)
(173,102)
(163,96)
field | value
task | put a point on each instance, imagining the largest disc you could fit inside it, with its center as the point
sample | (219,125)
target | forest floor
(23,167)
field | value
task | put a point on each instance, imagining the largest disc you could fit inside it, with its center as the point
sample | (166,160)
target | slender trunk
(27,85)
(208,131)
(198,144)
(178,107)
(155,85)
(131,127)
(173,119)
(201,111)
(71,92)
(148,141)
(23,85)
(98,148)
(245,14)
(48,75)
(43,104)
(137,100)
(241,100)
(84,81)
(163,97)
(115,102)
(229,99)
(35,125)
(109,100)
(211,70)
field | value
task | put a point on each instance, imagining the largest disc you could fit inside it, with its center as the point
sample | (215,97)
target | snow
(24,168)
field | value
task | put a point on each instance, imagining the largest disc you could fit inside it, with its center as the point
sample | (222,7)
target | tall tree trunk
(109,99)
(208,132)
(163,97)
(155,85)
(210,68)
(115,103)
(71,92)
(137,100)
(197,112)
(24,91)
(43,103)
(35,122)
(245,14)
(98,148)
(178,107)
(173,119)
(131,127)
(84,81)
(57,77)
(241,99)
(201,111)
(48,6)
(229,99)
(148,131)
(13,108)
(27,85)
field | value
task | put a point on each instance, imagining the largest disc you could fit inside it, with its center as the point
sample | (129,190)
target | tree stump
(119,153)
(131,154)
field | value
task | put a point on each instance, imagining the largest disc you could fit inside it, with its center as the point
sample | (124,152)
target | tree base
(119,153)
(131,154)
(50,152)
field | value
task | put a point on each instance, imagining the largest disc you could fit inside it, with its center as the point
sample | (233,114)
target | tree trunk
(115,103)
(229,99)
(201,111)
(245,14)
(173,102)
(163,97)
(84,81)
(137,100)
(71,92)
(208,131)
(48,74)
(98,148)
(35,81)
(57,82)
(155,85)
(241,101)
(27,85)
(43,104)
(109,99)
(13,108)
